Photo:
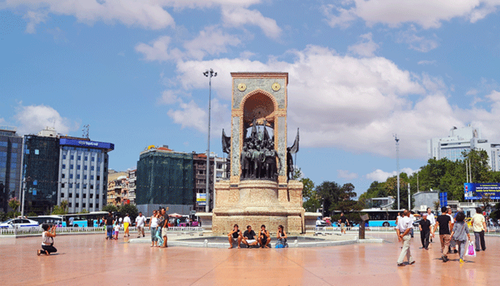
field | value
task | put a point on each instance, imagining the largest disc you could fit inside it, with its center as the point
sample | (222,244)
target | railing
(185,228)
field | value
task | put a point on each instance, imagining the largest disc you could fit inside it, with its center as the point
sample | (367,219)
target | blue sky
(359,72)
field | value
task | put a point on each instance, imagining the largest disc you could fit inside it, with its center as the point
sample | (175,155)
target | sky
(360,71)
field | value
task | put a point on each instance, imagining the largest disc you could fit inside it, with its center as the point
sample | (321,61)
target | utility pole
(409,200)
(397,163)
(209,73)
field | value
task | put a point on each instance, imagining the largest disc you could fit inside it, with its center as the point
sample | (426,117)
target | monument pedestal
(258,202)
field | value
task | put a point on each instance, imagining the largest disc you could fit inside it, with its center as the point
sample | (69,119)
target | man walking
(343,221)
(425,231)
(444,223)
(109,225)
(139,222)
(164,227)
(431,219)
(479,226)
(403,232)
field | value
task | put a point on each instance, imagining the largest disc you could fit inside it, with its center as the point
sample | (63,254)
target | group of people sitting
(250,238)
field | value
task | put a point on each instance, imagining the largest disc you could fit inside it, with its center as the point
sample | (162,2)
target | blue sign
(443,199)
(476,191)
(88,144)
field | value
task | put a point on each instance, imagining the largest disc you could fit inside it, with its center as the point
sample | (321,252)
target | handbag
(471,251)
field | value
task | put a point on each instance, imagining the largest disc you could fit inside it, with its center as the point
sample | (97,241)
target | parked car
(19,223)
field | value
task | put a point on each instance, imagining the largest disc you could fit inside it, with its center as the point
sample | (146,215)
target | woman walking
(153,225)
(460,234)
(47,240)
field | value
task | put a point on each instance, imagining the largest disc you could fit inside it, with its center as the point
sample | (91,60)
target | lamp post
(397,163)
(209,73)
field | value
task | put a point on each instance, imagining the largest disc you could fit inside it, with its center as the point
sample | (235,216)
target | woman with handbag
(47,240)
(460,234)
(282,236)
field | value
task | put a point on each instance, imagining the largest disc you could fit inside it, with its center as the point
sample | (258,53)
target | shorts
(164,231)
(249,241)
(342,226)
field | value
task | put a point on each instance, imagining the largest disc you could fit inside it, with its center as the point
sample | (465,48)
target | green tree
(84,211)
(312,201)
(129,209)
(14,203)
(335,197)
(110,208)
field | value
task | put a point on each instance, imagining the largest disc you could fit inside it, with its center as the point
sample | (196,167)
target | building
(200,177)
(424,200)
(132,180)
(11,152)
(117,187)
(41,171)
(165,178)
(383,202)
(460,140)
(83,170)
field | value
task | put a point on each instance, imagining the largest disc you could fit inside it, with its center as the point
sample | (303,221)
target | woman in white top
(47,240)
(153,224)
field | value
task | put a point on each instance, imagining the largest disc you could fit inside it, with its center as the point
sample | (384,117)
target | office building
(217,172)
(164,177)
(132,179)
(41,171)
(463,140)
(83,171)
(10,166)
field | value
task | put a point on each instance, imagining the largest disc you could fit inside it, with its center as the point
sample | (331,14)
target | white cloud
(418,43)
(212,41)
(345,174)
(427,62)
(425,13)
(380,176)
(168,97)
(193,116)
(34,18)
(34,118)
(366,47)
(238,16)
(159,50)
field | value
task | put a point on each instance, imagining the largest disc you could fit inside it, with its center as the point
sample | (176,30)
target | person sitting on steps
(234,236)
(249,237)
(264,237)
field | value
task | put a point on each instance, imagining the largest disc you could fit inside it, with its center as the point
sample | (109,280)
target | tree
(312,201)
(129,209)
(110,208)
(84,211)
(14,203)
(335,197)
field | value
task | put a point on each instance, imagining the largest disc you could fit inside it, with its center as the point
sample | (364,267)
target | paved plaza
(91,260)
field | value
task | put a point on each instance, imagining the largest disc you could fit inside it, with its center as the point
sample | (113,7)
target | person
(403,232)
(234,236)
(431,219)
(479,226)
(460,234)
(109,225)
(249,237)
(453,246)
(264,237)
(425,230)
(343,221)
(412,220)
(117,229)
(164,227)
(444,223)
(126,224)
(48,234)
(397,218)
(139,222)
(153,224)
(282,236)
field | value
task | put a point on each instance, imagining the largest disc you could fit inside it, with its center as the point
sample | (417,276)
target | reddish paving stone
(91,260)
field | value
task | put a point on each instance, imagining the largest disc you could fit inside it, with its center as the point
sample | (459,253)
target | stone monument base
(258,202)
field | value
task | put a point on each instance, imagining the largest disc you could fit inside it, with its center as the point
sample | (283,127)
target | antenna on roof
(86,131)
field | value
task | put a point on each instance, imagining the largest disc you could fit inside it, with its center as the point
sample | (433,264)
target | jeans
(158,236)
(406,250)
(424,237)
(109,231)
(49,248)
(153,234)
(462,247)
(479,237)
(445,243)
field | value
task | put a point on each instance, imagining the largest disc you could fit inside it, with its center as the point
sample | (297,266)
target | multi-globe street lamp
(209,73)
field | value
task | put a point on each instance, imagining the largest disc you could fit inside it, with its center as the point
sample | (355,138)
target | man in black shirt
(234,235)
(425,231)
(343,221)
(109,225)
(249,237)
(444,223)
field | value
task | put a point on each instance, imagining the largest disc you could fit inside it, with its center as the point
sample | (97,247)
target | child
(460,234)
(117,229)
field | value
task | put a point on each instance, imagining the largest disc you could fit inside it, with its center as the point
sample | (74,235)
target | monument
(260,189)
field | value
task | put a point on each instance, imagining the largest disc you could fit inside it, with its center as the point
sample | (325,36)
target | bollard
(364,218)
(205,243)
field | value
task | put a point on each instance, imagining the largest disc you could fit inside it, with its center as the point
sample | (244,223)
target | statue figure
(289,160)
(226,143)
(271,171)
(245,162)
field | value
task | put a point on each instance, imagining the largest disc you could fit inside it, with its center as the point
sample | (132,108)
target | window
(69,204)
(84,186)
(3,144)
(84,196)
(98,178)
(27,151)
(37,152)
(85,168)
(78,167)
(70,195)
(91,196)
(77,195)
(64,166)
(91,205)
(91,187)
(62,185)
(78,185)
(72,157)
(63,176)
(83,205)
(92,177)
(97,196)
(71,176)
(91,168)
(93,159)
(79,157)
(62,195)
(64,157)
(98,169)
(71,167)
(97,206)
(86,158)
(78,176)
(70,185)
(77,205)
(14,145)
(85,177)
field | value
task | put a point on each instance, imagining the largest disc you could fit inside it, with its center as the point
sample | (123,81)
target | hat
(424,214)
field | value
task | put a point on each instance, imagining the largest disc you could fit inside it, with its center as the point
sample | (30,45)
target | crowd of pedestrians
(454,236)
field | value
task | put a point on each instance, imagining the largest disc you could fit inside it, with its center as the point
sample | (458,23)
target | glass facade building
(164,177)
(10,166)
(40,165)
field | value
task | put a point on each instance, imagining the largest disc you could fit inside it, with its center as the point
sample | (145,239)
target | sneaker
(413,262)
(401,264)
(462,261)
(445,259)
(38,252)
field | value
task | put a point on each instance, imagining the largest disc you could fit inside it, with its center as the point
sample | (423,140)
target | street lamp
(397,162)
(209,73)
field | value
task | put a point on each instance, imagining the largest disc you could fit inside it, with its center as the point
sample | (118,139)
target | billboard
(201,199)
(475,191)
(84,143)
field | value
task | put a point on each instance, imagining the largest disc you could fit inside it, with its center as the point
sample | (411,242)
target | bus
(378,217)
(48,219)
(91,219)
